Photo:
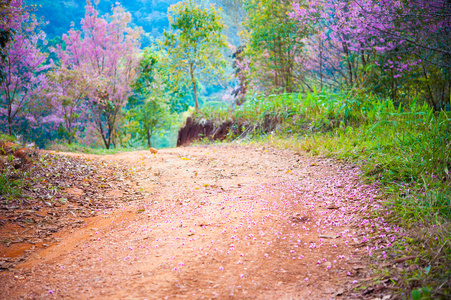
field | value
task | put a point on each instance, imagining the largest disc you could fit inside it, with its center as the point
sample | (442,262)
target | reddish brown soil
(213,222)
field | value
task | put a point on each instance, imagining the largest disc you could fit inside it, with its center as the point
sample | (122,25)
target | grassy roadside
(406,150)
(427,233)
(88,150)
(11,179)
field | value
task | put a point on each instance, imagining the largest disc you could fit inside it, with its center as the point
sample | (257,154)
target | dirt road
(215,222)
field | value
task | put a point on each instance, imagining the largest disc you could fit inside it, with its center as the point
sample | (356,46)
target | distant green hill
(151,15)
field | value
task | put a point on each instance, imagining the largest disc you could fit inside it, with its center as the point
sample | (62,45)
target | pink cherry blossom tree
(387,41)
(22,76)
(105,51)
(67,92)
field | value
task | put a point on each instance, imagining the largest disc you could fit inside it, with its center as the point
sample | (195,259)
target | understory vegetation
(404,149)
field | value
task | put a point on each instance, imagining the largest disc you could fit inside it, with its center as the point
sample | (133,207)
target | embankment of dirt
(201,129)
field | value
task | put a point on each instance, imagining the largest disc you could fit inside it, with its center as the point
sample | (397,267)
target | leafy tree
(106,52)
(154,94)
(275,45)
(148,118)
(241,66)
(68,90)
(8,11)
(398,49)
(195,43)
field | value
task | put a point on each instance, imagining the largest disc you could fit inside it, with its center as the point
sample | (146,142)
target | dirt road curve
(217,222)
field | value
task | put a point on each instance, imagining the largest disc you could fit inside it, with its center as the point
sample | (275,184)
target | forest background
(392,49)
(50,22)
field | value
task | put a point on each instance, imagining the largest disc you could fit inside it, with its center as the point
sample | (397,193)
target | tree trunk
(69,131)
(431,96)
(107,144)
(195,95)
(193,80)
(449,87)
(321,63)
(348,55)
(393,85)
(10,129)
(148,138)
(109,137)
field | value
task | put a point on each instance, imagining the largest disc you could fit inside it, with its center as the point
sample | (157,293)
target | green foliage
(421,294)
(154,104)
(149,117)
(195,43)
(53,44)
(7,138)
(275,42)
(68,89)
(11,182)
(427,84)
(215,111)
(10,187)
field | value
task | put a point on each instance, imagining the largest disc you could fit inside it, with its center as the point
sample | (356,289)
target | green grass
(7,138)
(10,188)
(11,182)
(77,148)
(407,150)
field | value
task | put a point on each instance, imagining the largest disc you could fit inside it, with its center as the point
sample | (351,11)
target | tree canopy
(106,52)
(195,43)
(154,97)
